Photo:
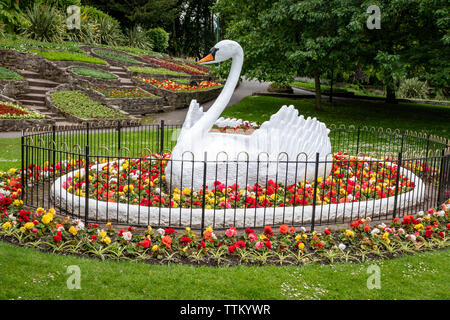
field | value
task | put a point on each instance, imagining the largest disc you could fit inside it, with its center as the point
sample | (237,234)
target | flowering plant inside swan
(279,142)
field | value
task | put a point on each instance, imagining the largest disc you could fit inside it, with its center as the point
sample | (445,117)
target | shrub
(6,74)
(137,38)
(413,88)
(67,56)
(2,31)
(109,31)
(159,38)
(10,15)
(43,23)
(116,56)
(81,106)
(86,72)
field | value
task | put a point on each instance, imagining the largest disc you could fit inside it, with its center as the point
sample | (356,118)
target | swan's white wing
(288,132)
(194,114)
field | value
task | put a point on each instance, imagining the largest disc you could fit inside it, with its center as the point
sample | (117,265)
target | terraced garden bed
(115,58)
(14,117)
(178,95)
(77,106)
(68,56)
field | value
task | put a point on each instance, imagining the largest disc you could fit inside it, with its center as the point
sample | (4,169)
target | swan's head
(222,51)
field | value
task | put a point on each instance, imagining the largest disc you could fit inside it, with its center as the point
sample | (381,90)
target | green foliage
(43,23)
(10,14)
(19,43)
(413,88)
(6,74)
(86,72)
(80,105)
(108,31)
(137,38)
(159,38)
(67,56)
(157,71)
(2,31)
(116,56)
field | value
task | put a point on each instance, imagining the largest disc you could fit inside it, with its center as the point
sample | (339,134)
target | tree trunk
(318,91)
(390,95)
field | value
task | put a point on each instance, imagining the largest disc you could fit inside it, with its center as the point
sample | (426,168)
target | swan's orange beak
(208,58)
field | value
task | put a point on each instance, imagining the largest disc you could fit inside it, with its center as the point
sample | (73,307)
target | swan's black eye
(213,51)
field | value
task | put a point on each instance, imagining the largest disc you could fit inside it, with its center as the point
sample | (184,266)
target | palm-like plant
(44,23)
(137,38)
(108,32)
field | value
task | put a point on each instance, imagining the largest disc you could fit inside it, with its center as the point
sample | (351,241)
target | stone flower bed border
(134,106)
(91,51)
(180,99)
(86,80)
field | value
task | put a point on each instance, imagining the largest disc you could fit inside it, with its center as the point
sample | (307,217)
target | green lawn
(433,119)
(28,274)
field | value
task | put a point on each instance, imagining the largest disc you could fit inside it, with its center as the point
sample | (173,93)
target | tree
(291,38)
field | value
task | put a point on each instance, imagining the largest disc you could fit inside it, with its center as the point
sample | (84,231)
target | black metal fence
(115,172)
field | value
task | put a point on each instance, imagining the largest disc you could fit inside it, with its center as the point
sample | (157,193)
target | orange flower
(167,241)
(284,229)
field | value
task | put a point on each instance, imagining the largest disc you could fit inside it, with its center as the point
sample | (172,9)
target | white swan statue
(269,153)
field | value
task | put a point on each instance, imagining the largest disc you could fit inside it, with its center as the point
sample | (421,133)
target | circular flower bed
(360,241)
(142,181)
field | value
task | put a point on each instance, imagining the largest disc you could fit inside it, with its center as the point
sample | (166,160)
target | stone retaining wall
(21,124)
(13,89)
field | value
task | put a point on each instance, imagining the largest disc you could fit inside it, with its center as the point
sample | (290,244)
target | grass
(19,43)
(162,71)
(10,157)
(311,87)
(81,106)
(28,274)
(115,56)
(86,72)
(68,56)
(433,119)
(6,74)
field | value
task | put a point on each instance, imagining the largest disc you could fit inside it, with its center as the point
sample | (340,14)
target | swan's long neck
(222,100)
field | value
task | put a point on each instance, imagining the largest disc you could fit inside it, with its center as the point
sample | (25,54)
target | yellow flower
(188,229)
(208,207)
(305,236)
(349,233)
(73,230)
(107,240)
(18,203)
(23,229)
(12,171)
(262,237)
(209,229)
(52,212)
(176,197)
(103,234)
(419,227)
(187,191)
(6,225)
(386,237)
(40,211)
(47,218)
(29,225)
(109,225)
(155,248)
(301,246)
(149,229)
(298,237)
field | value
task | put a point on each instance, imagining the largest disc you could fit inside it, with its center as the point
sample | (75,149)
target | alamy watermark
(74,280)
(374,280)
(374,20)
(74,19)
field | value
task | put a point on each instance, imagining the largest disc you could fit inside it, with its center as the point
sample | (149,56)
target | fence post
(357,143)
(86,196)
(22,171)
(441,178)
(403,140)
(119,137)
(399,162)
(162,137)
(204,192)
(316,173)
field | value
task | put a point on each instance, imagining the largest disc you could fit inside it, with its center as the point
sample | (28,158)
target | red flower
(231,249)
(268,244)
(327,231)
(268,231)
(185,240)
(58,237)
(366,228)
(169,231)
(284,229)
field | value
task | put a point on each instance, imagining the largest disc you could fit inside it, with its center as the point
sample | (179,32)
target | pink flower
(252,237)
(259,245)
(231,232)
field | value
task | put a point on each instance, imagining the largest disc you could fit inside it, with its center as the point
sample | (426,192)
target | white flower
(420,213)
(401,231)
(342,246)
(382,226)
(127,236)
(440,213)
(60,229)
(213,236)
(79,224)
(411,237)
(303,229)
(375,231)
(161,232)
(11,217)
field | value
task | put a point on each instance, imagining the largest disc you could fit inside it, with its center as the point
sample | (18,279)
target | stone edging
(239,218)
